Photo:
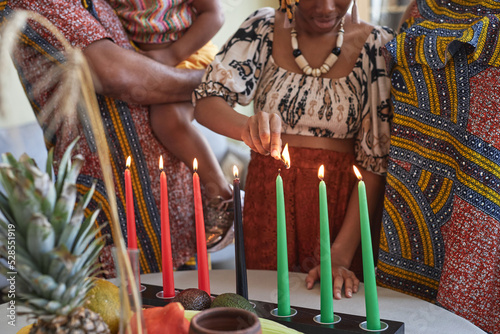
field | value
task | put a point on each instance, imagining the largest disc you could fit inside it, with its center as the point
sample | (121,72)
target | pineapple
(56,247)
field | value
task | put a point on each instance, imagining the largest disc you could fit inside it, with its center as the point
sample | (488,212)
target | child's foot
(219,219)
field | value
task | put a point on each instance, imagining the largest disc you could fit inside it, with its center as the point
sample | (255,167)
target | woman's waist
(309,158)
(331,144)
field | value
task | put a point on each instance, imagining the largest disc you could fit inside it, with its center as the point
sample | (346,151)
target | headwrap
(288,7)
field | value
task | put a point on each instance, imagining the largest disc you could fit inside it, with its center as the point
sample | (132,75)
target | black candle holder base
(303,320)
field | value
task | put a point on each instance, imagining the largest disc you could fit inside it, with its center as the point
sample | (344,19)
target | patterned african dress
(127,129)
(441,221)
(354,107)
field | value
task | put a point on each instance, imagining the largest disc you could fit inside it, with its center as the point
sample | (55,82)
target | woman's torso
(322,112)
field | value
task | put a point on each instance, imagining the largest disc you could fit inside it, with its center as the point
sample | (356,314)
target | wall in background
(17,111)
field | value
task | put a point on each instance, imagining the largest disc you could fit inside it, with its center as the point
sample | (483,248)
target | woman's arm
(134,78)
(348,239)
(261,132)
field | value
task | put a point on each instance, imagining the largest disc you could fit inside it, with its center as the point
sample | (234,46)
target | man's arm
(134,78)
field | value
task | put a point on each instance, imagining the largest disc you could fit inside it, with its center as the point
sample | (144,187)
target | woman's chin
(325,26)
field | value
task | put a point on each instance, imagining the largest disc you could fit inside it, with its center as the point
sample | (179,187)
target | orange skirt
(301,185)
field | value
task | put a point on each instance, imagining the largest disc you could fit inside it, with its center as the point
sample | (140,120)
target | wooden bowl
(225,320)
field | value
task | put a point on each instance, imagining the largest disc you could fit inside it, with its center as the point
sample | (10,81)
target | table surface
(418,316)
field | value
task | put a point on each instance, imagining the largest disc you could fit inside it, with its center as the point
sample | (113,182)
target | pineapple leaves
(50,162)
(64,166)
(57,247)
(86,234)
(41,236)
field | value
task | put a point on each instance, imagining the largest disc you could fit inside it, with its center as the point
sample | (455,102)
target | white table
(419,317)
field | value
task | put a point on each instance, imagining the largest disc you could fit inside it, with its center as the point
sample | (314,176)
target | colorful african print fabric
(127,129)
(154,21)
(441,225)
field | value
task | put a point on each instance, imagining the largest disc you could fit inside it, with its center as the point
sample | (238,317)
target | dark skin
(209,19)
(317,23)
(172,122)
(134,78)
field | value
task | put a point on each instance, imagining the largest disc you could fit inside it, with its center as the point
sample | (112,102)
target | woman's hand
(262,134)
(341,277)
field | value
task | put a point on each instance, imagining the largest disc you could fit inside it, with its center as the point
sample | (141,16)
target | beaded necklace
(329,61)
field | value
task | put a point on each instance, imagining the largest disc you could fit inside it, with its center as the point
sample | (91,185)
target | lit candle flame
(195,164)
(321,172)
(129,160)
(161,162)
(358,174)
(285,156)
(235,171)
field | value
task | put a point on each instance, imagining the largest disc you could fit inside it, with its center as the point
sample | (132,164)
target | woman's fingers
(263,134)
(312,277)
(338,281)
(275,129)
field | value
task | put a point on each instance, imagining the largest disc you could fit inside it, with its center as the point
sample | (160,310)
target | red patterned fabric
(441,227)
(128,133)
(471,257)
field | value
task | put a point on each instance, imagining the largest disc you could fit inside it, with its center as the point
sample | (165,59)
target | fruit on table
(168,319)
(193,299)
(104,299)
(57,247)
(25,330)
(230,299)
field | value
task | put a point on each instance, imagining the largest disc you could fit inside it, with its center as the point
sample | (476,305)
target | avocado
(193,299)
(232,300)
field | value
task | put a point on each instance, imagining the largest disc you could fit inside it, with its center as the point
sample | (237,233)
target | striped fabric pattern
(127,129)
(149,21)
(441,224)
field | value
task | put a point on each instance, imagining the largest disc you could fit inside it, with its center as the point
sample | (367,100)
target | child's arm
(209,19)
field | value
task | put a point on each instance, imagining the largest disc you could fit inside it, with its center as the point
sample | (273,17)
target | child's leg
(172,125)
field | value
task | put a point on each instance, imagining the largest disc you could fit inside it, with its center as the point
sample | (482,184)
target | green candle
(282,253)
(371,299)
(325,255)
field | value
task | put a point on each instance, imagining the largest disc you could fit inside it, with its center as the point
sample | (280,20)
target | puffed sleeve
(373,139)
(237,68)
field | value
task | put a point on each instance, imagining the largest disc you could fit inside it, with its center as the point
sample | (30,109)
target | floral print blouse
(355,106)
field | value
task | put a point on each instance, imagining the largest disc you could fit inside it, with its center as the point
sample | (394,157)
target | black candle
(241,267)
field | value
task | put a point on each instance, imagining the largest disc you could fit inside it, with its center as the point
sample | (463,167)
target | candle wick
(279,170)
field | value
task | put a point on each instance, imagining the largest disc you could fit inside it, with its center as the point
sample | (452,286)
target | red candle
(201,243)
(129,200)
(166,243)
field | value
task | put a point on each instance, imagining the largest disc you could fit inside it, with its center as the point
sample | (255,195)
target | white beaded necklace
(329,61)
